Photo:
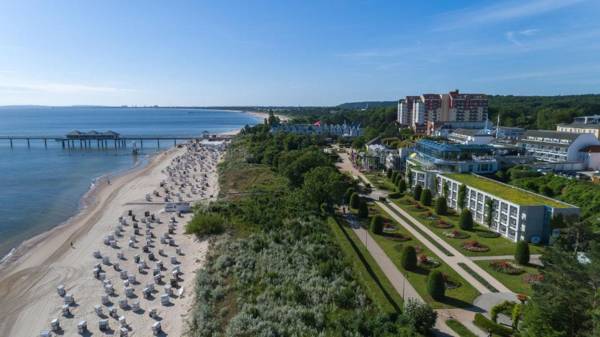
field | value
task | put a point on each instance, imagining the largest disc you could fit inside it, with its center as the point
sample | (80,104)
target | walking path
(454,261)
(398,280)
(533,259)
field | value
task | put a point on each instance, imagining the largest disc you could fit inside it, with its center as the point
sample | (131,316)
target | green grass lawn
(512,282)
(460,329)
(498,245)
(461,296)
(380,180)
(369,275)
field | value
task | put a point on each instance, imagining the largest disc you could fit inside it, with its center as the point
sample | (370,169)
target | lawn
(380,180)
(460,329)
(515,283)
(369,275)
(426,215)
(504,191)
(461,296)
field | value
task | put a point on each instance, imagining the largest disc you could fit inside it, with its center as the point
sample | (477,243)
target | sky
(321,52)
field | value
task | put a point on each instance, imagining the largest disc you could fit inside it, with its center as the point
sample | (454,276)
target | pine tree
(377,224)
(466,220)
(355,200)
(417,192)
(436,286)
(409,258)
(441,206)
(425,198)
(522,253)
(363,209)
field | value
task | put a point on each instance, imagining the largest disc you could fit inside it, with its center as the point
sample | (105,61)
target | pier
(106,140)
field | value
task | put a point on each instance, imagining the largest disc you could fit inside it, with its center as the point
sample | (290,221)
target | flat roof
(506,192)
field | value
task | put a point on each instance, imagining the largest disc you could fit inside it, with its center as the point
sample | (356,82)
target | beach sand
(64,255)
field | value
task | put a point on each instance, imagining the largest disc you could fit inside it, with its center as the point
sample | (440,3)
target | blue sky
(292,52)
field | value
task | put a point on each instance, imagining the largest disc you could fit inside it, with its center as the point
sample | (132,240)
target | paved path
(397,279)
(452,261)
(534,258)
(465,317)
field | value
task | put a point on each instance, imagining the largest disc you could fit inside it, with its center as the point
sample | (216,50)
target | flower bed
(456,234)
(506,267)
(389,228)
(533,278)
(474,246)
(428,261)
(443,224)
(396,236)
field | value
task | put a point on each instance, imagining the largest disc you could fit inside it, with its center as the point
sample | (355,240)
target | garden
(394,240)
(515,277)
(478,241)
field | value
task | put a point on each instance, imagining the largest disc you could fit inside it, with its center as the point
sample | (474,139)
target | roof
(470,132)
(591,149)
(581,126)
(506,192)
(551,134)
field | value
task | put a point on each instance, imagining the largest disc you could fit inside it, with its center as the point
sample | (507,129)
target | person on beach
(108,180)
(72,245)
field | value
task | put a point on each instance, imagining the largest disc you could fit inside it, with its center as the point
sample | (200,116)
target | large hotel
(426,112)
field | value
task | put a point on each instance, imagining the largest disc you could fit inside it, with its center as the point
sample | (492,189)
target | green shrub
(395,195)
(522,253)
(466,220)
(420,316)
(461,197)
(389,173)
(436,286)
(441,206)
(487,325)
(409,258)
(505,307)
(426,197)
(354,200)
(363,209)
(417,192)
(377,224)
(348,194)
(204,223)
(401,185)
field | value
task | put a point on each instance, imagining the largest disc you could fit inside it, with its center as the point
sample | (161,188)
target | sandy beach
(29,299)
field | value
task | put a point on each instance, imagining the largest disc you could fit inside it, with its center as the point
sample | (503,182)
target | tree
(363,209)
(401,186)
(324,185)
(461,197)
(389,173)
(348,195)
(441,206)
(354,200)
(420,316)
(393,176)
(489,203)
(565,300)
(409,258)
(426,197)
(377,224)
(436,286)
(522,253)
(547,191)
(446,189)
(466,220)
(417,192)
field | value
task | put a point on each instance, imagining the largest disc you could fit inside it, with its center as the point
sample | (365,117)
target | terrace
(506,192)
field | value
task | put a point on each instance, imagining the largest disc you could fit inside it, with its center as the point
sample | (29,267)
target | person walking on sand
(108,180)
(72,245)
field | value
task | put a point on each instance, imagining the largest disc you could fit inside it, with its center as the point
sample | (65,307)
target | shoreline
(87,199)
(63,254)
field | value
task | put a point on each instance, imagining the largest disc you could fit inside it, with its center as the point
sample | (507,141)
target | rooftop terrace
(506,192)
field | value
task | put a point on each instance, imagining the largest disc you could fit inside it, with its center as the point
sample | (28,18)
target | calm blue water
(40,188)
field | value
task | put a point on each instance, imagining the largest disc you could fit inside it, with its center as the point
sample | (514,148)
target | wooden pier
(106,140)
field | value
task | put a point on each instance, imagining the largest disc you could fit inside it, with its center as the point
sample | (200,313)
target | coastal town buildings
(421,113)
(583,124)
(340,130)
(556,146)
(514,213)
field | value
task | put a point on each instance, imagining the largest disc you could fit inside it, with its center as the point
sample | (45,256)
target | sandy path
(28,296)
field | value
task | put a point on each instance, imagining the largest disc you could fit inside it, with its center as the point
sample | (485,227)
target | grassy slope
(368,273)
(498,246)
(459,297)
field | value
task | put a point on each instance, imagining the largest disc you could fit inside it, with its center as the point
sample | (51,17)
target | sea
(43,187)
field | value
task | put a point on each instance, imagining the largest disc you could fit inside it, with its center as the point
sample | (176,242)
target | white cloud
(501,12)
(515,37)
